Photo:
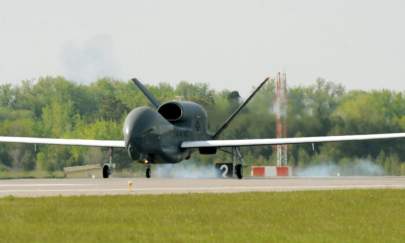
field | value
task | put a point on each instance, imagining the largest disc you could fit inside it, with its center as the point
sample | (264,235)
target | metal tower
(280,109)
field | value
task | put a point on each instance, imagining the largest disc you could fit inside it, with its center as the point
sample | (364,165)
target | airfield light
(130,184)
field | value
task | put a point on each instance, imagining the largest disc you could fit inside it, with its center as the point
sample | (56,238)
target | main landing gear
(234,169)
(107,167)
(237,161)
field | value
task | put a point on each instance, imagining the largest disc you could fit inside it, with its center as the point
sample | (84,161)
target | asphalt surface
(114,186)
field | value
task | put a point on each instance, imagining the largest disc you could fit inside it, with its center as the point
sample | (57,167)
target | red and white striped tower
(280,109)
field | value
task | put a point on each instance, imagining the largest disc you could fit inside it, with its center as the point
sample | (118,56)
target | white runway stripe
(213,189)
(114,186)
(44,185)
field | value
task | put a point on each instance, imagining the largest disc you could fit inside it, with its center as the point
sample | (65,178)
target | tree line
(59,108)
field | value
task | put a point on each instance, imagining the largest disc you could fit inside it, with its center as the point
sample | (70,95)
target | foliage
(56,107)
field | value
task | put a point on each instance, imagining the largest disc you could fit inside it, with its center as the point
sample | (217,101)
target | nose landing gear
(148,171)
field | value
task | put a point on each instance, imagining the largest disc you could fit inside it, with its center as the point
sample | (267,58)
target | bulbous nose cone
(141,121)
(148,135)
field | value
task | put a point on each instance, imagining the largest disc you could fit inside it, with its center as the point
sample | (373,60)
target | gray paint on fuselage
(149,136)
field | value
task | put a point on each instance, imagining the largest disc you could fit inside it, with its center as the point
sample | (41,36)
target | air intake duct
(171,111)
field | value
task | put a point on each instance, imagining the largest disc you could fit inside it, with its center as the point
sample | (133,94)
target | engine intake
(171,111)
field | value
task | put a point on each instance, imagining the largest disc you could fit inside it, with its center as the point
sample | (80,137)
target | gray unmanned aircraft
(171,131)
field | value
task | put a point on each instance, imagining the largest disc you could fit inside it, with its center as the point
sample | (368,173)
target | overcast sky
(226,43)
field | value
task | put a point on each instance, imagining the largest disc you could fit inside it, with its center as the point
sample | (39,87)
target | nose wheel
(148,171)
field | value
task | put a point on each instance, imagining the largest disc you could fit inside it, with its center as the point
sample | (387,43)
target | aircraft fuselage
(155,136)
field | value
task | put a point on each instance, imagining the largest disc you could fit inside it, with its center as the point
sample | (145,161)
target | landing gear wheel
(106,171)
(108,167)
(148,172)
(239,171)
(237,160)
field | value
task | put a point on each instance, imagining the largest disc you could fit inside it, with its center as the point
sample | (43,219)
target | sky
(232,44)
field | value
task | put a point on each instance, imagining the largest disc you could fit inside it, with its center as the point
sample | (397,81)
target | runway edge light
(130,185)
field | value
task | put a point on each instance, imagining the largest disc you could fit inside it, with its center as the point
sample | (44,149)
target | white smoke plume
(356,168)
(186,169)
(277,109)
(91,60)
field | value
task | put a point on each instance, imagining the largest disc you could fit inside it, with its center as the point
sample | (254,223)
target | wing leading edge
(280,141)
(62,141)
(205,143)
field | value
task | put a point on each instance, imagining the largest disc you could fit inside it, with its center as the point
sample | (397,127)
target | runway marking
(213,189)
(51,187)
(66,190)
(38,185)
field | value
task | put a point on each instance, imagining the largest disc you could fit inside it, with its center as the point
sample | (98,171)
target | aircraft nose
(141,121)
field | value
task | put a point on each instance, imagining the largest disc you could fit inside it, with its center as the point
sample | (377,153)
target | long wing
(62,141)
(280,141)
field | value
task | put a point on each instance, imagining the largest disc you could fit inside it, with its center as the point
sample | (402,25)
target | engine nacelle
(171,111)
(185,113)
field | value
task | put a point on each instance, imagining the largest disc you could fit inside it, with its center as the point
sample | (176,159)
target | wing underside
(62,141)
(281,141)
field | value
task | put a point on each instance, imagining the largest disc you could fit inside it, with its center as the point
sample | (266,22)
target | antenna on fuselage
(146,92)
(236,112)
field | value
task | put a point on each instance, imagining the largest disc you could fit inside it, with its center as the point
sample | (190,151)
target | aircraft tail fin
(236,112)
(146,92)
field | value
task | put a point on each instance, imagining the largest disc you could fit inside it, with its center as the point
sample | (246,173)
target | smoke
(278,109)
(187,169)
(357,168)
(89,61)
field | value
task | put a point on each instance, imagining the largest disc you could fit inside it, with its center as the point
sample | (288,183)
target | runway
(120,186)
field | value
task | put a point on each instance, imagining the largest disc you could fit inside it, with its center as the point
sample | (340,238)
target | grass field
(317,216)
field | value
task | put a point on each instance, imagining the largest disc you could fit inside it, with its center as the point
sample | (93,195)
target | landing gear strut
(237,160)
(148,171)
(107,167)
(239,171)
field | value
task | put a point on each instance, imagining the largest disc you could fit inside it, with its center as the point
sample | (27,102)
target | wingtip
(265,81)
(136,81)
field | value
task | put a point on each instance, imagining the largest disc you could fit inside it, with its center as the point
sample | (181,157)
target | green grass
(317,216)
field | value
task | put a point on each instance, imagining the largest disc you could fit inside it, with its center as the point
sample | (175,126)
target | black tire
(106,171)
(148,172)
(239,171)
